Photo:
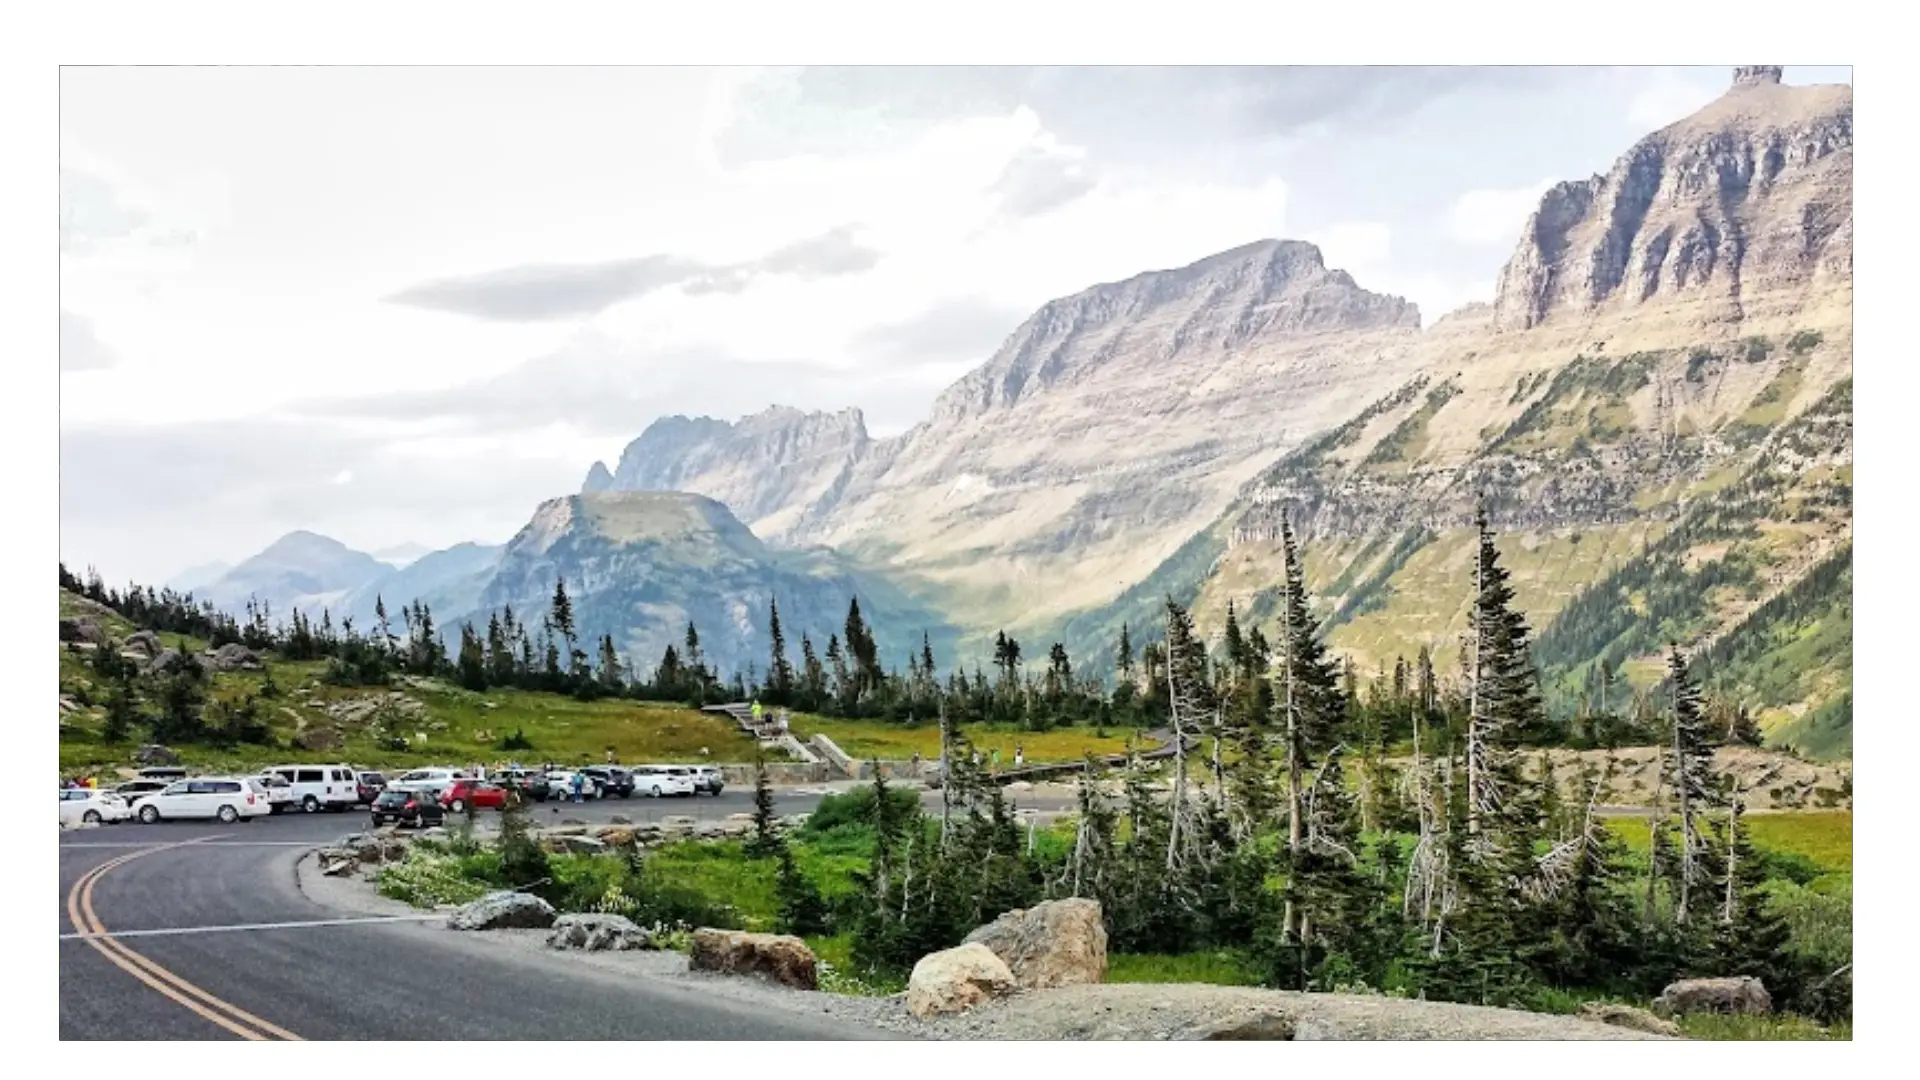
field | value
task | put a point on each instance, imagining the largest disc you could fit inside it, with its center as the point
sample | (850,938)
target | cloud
(1039,179)
(966,327)
(80,348)
(93,211)
(1670,96)
(542,292)
(1493,217)
(548,292)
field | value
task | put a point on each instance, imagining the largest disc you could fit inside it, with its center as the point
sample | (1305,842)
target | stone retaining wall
(779,773)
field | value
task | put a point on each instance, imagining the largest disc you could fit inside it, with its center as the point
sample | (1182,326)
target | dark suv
(370,784)
(532,784)
(415,808)
(611,780)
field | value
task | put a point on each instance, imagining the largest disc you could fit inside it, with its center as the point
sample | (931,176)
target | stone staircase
(767,733)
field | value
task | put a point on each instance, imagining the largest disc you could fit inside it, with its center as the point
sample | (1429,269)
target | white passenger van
(333,787)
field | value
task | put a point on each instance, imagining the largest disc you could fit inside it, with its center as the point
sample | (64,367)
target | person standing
(1019,756)
(579,783)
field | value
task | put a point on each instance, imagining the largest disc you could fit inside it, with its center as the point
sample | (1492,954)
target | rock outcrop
(1628,1017)
(1056,943)
(781,958)
(1740,205)
(955,980)
(596,933)
(1740,994)
(502,911)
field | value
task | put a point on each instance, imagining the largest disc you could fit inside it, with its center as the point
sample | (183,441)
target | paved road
(213,971)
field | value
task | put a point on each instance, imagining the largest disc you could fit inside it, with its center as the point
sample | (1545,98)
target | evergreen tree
(765,841)
(471,669)
(779,672)
(813,677)
(1691,781)
(1308,708)
(1749,937)
(801,910)
(123,714)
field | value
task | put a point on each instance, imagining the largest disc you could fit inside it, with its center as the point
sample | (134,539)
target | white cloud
(1493,217)
(343,477)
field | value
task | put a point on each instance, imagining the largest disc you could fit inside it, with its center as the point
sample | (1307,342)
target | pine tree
(813,677)
(1748,937)
(471,667)
(1503,707)
(1691,783)
(765,841)
(123,714)
(779,671)
(800,908)
(1307,706)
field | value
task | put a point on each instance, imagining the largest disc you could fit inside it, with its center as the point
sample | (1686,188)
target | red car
(478,794)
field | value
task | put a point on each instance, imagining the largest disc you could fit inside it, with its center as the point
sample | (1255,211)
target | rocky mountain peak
(598,479)
(1722,215)
(1237,299)
(1758,75)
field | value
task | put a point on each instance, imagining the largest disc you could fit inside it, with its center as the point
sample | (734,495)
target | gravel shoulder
(1131,1012)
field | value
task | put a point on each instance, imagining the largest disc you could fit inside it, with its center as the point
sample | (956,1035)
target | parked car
(436,778)
(369,785)
(413,809)
(530,783)
(612,779)
(228,798)
(662,780)
(709,778)
(317,787)
(92,806)
(133,790)
(279,793)
(168,773)
(560,781)
(478,794)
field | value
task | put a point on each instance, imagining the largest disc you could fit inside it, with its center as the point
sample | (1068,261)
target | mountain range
(1654,407)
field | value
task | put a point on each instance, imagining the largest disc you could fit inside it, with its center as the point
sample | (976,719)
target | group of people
(82,782)
(1019,758)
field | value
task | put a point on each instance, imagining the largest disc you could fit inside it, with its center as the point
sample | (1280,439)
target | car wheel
(227,815)
(458,806)
(149,815)
(91,817)
(656,791)
(310,804)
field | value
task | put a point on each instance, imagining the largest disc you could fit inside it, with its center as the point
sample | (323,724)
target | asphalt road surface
(197,931)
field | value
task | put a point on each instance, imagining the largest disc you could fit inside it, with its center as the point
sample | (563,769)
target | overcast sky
(404,305)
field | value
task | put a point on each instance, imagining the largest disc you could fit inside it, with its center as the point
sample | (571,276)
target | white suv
(229,798)
(709,778)
(424,779)
(660,780)
(333,787)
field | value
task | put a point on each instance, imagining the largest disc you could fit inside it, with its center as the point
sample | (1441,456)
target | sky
(402,306)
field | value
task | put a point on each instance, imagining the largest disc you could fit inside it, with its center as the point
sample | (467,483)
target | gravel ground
(1123,1011)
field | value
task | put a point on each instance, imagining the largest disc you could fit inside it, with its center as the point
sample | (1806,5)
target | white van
(661,780)
(422,779)
(333,787)
(229,798)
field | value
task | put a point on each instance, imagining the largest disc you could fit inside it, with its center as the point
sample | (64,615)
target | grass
(1823,837)
(870,739)
(459,725)
(1784,1028)
(1219,968)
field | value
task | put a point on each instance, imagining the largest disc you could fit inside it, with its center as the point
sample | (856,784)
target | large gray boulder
(1737,994)
(232,656)
(81,628)
(145,642)
(1058,943)
(503,911)
(596,933)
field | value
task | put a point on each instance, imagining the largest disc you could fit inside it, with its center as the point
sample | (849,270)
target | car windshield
(392,798)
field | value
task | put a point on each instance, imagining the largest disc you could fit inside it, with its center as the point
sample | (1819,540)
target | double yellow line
(223,1013)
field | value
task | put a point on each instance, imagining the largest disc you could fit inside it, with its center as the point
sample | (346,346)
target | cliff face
(766,468)
(1735,211)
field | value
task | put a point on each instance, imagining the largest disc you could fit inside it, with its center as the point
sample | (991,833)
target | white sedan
(92,806)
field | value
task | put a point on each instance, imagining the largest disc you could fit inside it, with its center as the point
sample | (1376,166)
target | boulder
(155,754)
(1626,1016)
(232,656)
(318,738)
(614,835)
(168,661)
(619,819)
(1739,994)
(81,628)
(1058,943)
(677,821)
(779,957)
(145,642)
(502,910)
(596,933)
(578,845)
(570,828)
(955,980)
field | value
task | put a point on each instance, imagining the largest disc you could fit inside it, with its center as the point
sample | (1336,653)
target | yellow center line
(80,912)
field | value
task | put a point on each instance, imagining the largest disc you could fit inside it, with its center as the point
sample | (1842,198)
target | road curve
(352,980)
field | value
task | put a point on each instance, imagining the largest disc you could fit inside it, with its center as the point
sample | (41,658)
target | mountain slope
(641,565)
(1110,426)
(300,570)
(1662,462)
(447,581)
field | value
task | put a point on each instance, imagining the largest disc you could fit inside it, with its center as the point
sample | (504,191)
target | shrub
(856,807)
